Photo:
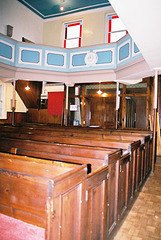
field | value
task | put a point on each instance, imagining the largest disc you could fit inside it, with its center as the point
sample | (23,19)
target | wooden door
(103,112)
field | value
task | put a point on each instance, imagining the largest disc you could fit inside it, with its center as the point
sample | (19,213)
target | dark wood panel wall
(135,108)
(95,109)
(41,116)
(30,98)
(103,111)
(19,118)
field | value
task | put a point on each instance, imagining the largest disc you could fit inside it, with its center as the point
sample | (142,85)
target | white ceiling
(142,19)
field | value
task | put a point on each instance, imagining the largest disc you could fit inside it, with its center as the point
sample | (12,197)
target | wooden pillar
(13,103)
(155,114)
(83,103)
(117,103)
(123,106)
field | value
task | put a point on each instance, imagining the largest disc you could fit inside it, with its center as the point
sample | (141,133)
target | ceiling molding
(50,9)
(73,15)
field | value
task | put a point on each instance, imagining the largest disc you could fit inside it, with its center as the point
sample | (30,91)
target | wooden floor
(143,221)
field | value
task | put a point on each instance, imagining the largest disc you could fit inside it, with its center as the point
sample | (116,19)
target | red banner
(55,103)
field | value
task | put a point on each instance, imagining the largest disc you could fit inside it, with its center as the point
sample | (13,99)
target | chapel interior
(80,117)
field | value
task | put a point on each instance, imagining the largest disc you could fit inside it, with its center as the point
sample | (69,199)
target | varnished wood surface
(127,173)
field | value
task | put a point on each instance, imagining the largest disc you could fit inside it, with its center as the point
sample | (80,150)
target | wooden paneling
(130,112)
(141,108)
(103,111)
(103,198)
(19,118)
(30,98)
(97,185)
(27,184)
(41,116)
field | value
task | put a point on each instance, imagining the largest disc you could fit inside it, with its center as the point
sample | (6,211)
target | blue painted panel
(78,60)
(55,59)
(104,57)
(30,56)
(124,52)
(5,51)
(136,49)
(60,60)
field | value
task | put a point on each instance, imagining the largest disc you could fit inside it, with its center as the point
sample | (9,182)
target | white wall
(25,23)
(50,32)
(20,107)
(7,94)
(93,27)
(142,20)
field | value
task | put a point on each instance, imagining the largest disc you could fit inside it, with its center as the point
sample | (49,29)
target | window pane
(72,43)
(73,32)
(117,25)
(116,36)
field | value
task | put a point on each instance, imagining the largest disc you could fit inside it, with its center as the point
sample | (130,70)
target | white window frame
(72,22)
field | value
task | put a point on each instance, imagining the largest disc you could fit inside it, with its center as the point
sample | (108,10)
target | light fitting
(27,87)
(104,95)
(61,8)
(99,91)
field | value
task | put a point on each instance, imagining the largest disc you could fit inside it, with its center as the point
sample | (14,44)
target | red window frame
(110,26)
(71,25)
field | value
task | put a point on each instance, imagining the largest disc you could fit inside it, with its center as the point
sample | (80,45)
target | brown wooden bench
(135,175)
(28,171)
(125,145)
(112,159)
(136,161)
(144,165)
(45,130)
(31,190)
(133,135)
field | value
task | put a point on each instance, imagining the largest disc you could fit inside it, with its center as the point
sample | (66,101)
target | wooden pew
(61,152)
(38,132)
(131,135)
(144,136)
(42,130)
(143,164)
(112,159)
(85,224)
(31,189)
(136,165)
(128,146)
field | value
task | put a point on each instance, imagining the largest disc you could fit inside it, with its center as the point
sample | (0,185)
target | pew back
(31,190)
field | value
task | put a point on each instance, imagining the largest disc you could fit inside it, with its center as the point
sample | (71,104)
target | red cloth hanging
(55,103)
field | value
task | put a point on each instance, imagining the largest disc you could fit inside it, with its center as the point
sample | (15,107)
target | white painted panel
(57,88)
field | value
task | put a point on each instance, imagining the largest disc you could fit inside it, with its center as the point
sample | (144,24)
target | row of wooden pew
(101,170)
